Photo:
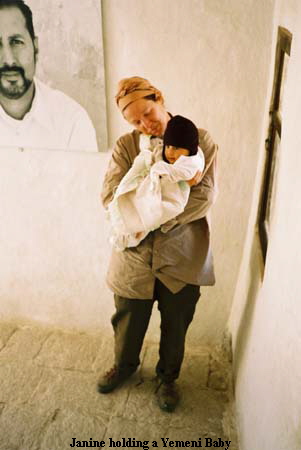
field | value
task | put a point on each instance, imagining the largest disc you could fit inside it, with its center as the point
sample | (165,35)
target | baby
(155,189)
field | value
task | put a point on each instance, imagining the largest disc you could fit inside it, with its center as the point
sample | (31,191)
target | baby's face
(173,153)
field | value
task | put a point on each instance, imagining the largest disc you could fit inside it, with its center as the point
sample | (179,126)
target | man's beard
(13,89)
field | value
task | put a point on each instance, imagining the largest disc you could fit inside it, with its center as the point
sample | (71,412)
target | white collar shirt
(55,121)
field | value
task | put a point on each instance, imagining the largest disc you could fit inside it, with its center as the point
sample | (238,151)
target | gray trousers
(131,320)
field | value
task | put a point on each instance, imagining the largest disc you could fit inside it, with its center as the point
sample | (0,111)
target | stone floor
(48,397)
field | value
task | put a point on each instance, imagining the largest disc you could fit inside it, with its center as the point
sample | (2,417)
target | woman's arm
(119,164)
(203,195)
(201,198)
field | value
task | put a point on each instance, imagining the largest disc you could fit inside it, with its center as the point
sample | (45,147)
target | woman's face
(147,116)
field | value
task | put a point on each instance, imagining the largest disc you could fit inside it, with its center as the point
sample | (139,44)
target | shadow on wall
(255,276)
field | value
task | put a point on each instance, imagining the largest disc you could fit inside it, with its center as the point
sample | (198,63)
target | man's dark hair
(25,10)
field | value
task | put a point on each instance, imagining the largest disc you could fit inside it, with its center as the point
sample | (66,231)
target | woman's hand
(196,179)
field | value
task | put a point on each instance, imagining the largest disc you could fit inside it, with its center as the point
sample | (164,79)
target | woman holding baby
(171,263)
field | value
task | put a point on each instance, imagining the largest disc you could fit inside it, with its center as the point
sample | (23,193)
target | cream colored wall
(211,70)
(210,60)
(53,236)
(265,319)
(53,232)
(71,54)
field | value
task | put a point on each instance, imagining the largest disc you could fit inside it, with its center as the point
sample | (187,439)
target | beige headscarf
(134,88)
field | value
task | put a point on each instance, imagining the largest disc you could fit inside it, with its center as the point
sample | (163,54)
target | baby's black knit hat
(181,132)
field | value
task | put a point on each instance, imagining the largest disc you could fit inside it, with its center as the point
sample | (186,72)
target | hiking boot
(112,379)
(168,396)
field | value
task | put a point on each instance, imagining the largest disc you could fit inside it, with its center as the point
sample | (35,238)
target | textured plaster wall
(265,319)
(212,68)
(210,60)
(71,54)
(53,238)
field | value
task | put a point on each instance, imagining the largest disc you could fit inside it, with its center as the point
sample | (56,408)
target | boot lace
(111,373)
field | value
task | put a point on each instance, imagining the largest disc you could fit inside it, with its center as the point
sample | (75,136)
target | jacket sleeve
(203,195)
(119,164)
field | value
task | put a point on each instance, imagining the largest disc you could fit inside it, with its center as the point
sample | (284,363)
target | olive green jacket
(179,252)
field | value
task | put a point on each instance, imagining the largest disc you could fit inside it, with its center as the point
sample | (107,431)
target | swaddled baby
(155,189)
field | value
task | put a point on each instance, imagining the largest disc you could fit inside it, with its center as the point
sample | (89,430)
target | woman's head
(181,137)
(142,105)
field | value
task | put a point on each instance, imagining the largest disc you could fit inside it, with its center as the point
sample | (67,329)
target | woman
(170,264)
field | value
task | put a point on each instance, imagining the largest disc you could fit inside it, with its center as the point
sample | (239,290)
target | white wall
(213,68)
(210,59)
(265,319)
(53,236)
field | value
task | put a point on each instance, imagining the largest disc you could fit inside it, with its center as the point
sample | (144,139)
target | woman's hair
(127,86)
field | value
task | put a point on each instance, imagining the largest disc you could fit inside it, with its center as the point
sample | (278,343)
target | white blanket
(151,193)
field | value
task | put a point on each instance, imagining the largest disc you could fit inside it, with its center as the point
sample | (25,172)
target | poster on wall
(52,76)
